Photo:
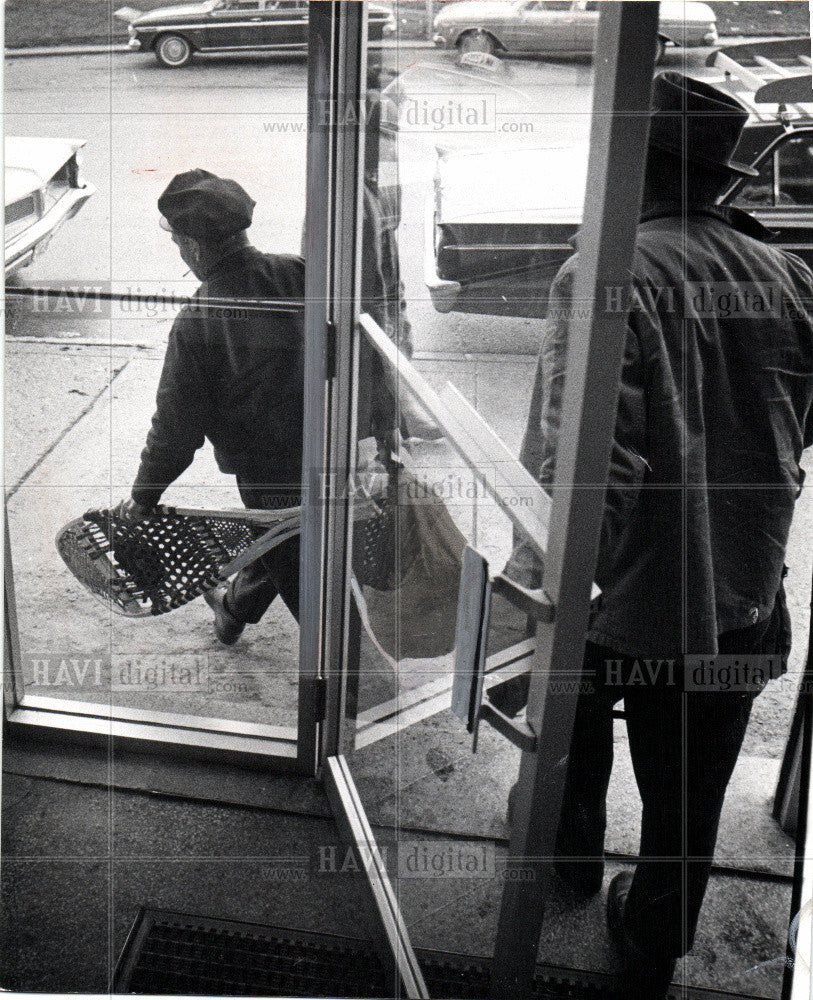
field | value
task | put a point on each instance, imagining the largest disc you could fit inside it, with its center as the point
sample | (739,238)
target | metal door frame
(331,395)
(624,64)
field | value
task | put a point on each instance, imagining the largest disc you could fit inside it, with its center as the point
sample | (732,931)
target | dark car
(176,33)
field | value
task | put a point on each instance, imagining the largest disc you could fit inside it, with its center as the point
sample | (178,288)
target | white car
(499,222)
(43,188)
(558,27)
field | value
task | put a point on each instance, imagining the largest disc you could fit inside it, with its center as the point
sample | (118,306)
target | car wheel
(476,41)
(173,51)
(660,50)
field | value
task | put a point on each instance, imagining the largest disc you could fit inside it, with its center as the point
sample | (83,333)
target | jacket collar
(734,217)
(230,247)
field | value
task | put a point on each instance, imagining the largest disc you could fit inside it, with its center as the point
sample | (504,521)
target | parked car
(499,222)
(44,188)
(557,27)
(176,33)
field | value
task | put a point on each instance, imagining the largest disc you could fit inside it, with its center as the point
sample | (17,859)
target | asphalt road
(246,118)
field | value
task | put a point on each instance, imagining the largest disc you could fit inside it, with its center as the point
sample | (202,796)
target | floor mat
(180,954)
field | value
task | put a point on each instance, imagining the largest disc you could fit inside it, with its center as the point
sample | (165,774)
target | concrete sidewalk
(76,420)
(38,51)
(78,448)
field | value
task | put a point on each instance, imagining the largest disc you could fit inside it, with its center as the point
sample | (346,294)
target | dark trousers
(684,745)
(251,591)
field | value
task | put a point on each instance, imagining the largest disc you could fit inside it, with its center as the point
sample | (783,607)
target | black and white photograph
(408,562)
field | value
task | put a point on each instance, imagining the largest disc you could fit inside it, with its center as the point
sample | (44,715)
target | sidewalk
(93,409)
(76,420)
(64,50)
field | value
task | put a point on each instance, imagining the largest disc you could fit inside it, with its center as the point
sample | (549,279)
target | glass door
(458,244)
(96,313)
(464,200)
(431,390)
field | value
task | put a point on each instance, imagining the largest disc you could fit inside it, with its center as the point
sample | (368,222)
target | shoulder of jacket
(801,270)
(563,282)
(286,260)
(288,271)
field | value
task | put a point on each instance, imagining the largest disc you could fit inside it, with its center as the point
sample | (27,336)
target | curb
(412,43)
(98,50)
(11,340)
(64,50)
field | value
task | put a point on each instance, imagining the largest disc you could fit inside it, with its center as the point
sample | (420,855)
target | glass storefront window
(83,368)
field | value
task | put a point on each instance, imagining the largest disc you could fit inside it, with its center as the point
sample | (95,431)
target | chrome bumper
(21,250)
(134,45)
(444,294)
(439,41)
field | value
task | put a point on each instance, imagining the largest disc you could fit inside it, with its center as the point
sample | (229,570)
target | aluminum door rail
(89,293)
(482,450)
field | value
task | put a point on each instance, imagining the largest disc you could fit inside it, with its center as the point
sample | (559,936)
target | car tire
(476,41)
(173,51)
(660,51)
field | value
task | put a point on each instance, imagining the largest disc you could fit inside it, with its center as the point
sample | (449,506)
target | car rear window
(796,171)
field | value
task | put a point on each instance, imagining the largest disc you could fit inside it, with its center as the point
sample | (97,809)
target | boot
(645,977)
(228,629)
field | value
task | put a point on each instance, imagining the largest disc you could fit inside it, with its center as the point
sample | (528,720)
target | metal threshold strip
(434,697)
(156,737)
(89,292)
(173,954)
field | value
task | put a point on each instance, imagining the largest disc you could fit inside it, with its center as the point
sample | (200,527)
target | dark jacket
(715,409)
(234,377)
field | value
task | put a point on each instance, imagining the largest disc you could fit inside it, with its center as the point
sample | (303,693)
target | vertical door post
(624,64)
(316,385)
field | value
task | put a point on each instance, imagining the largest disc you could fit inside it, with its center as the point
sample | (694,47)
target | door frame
(621,87)
(331,394)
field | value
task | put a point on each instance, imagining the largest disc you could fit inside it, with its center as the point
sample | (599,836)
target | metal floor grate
(180,954)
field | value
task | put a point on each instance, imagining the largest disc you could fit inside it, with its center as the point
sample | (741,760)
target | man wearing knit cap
(232,376)
(715,409)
